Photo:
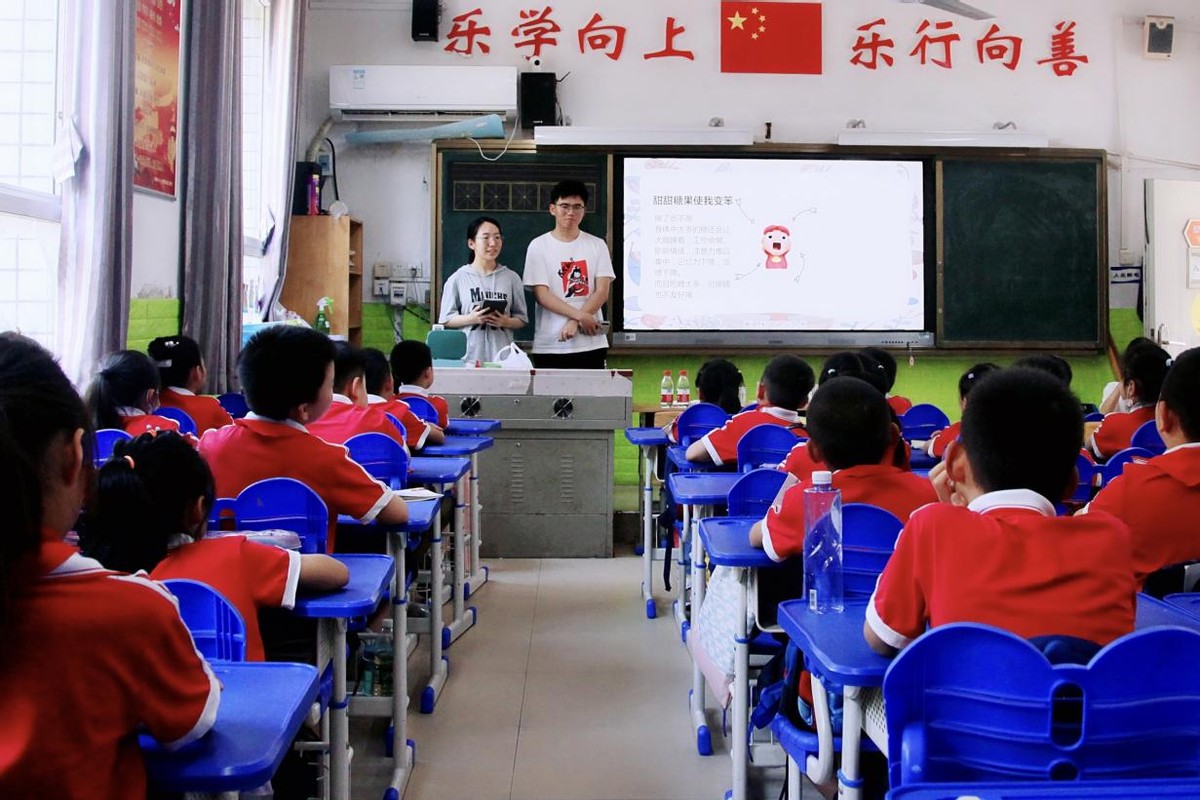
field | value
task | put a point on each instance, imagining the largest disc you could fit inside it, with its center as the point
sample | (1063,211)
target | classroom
(555,263)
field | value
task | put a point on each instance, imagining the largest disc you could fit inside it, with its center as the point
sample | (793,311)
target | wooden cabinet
(325,259)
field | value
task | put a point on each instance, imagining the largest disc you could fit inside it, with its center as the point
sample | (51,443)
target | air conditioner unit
(417,94)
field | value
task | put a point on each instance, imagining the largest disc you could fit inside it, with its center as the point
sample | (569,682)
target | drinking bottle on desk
(666,392)
(823,587)
(683,389)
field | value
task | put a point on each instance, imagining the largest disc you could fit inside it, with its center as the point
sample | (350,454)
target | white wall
(1120,101)
(156,234)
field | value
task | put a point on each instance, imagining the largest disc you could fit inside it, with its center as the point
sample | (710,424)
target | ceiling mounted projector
(954,7)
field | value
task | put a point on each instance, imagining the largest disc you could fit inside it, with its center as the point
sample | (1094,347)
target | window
(30,71)
(255,17)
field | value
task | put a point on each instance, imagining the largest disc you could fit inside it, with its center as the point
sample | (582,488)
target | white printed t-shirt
(570,270)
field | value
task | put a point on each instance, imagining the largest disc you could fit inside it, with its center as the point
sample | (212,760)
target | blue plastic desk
(726,540)
(370,578)
(1187,603)
(471,426)
(695,491)
(649,440)
(442,473)
(469,582)
(1163,789)
(262,708)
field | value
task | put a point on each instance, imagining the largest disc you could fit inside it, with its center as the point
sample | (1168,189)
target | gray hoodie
(466,289)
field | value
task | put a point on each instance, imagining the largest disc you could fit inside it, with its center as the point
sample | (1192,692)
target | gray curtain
(212,189)
(285,42)
(95,250)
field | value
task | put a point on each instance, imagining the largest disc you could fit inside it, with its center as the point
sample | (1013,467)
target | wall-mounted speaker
(425,20)
(1158,39)
(537,97)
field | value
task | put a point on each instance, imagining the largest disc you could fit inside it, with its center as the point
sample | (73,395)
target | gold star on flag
(754,36)
(762,28)
(762,17)
(754,10)
(737,21)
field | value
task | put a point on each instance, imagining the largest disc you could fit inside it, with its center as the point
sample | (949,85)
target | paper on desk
(416,493)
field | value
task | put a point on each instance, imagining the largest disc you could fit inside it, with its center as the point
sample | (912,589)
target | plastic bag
(512,357)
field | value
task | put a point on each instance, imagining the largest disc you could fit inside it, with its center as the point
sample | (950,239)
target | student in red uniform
(1160,499)
(286,373)
(150,512)
(993,551)
(349,414)
(1142,372)
(90,657)
(850,429)
(412,372)
(124,394)
(936,445)
(381,394)
(887,363)
(782,392)
(182,374)
(718,382)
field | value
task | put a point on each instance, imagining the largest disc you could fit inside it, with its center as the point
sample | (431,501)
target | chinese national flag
(771,37)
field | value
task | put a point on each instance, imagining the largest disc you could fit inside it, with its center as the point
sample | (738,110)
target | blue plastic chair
(1088,471)
(106,440)
(381,456)
(968,703)
(284,504)
(1116,465)
(424,409)
(1093,416)
(922,421)
(697,420)
(217,626)
(186,423)
(1148,438)
(764,445)
(752,494)
(234,403)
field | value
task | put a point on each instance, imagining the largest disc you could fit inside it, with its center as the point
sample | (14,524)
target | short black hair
(1010,409)
(1181,391)
(175,357)
(884,359)
(1051,364)
(348,364)
(121,381)
(787,380)
(972,376)
(409,359)
(850,421)
(1146,366)
(718,382)
(283,367)
(474,225)
(849,364)
(569,188)
(376,369)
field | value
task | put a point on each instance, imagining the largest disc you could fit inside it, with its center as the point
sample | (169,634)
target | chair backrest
(234,403)
(447,345)
(1093,416)
(217,627)
(697,420)
(186,423)
(1115,465)
(1088,470)
(752,494)
(284,504)
(764,445)
(922,421)
(424,409)
(868,539)
(1147,437)
(970,703)
(381,456)
(106,439)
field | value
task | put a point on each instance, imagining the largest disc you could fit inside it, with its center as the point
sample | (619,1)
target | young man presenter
(570,273)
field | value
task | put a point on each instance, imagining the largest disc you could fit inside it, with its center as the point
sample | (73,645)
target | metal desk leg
(648,531)
(464,618)
(820,767)
(849,780)
(696,696)
(339,722)
(403,749)
(681,578)
(439,665)
(741,691)
(479,572)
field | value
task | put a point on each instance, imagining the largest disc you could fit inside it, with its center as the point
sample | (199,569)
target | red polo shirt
(138,424)
(721,443)
(344,420)
(439,403)
(899,403)
(1117,429)
(1006,560)
(206,411)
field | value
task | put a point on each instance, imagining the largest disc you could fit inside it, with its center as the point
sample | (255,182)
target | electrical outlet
(383,270)
(326,162)
(414,271)
(380,287)
(398,272)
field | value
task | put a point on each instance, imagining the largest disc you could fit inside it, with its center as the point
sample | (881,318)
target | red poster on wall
(156,95)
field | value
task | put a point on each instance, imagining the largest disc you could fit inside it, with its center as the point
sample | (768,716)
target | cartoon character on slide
(776,243)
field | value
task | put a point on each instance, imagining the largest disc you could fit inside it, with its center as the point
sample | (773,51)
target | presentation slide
(773,245)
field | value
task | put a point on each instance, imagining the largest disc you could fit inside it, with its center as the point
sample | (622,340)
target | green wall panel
(150,318)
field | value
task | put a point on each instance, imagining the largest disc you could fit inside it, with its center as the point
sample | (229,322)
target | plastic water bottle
(667,390)
(823,545)
(683,389)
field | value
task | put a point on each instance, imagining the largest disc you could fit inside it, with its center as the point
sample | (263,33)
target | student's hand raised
(946,490)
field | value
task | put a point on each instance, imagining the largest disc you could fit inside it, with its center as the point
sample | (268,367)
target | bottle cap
(822,477)
(683,372)
(438,327)
(666,372)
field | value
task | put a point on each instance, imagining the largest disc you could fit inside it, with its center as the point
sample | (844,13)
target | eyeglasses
(573,208)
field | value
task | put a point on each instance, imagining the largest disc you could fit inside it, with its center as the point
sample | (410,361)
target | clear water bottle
(667,390)
(823,545)
(683,389)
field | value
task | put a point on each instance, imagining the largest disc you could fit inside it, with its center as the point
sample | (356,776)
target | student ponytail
(122,381)
(175,357)
(718,382)
(143,496)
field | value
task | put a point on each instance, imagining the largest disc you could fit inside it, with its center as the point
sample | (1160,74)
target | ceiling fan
(954,7)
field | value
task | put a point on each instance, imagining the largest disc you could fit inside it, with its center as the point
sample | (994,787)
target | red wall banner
(156,95)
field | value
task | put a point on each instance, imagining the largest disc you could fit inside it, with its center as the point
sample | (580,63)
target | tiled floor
(563,691)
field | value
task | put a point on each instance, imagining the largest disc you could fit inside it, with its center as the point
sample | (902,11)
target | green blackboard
(1022,254)
(515,191)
